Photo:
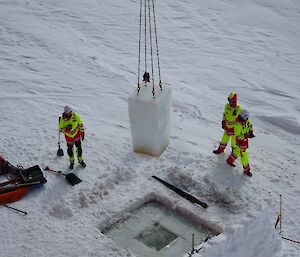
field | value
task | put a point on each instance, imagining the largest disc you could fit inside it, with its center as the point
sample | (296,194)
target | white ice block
(150,119)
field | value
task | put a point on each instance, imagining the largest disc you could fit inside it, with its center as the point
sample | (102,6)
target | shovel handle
(57,172)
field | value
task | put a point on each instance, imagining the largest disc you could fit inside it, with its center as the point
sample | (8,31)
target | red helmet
(232,99)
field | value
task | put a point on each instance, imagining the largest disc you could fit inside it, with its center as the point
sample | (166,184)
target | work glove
(251,135)
(223,124)
(82,135)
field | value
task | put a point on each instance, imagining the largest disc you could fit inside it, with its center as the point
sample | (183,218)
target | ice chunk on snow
(150,119)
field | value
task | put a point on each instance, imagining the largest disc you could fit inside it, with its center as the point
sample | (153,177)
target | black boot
(71,165)
(248,173)
(82,163)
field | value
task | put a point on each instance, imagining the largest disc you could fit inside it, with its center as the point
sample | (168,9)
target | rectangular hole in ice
(155,230)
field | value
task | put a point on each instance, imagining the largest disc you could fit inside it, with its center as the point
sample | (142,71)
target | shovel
(60,151)
(70,177)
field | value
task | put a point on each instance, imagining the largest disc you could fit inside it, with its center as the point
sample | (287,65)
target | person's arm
(81,127)
(250,127)
(224,118)
(61,124)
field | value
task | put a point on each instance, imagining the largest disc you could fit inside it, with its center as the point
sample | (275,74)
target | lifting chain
(157,52)
(146,76)
(151,50)
(140,34)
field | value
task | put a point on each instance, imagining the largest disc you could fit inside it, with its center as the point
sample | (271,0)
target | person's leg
(79,153)
(245,163)
(71,154)
(233,156)
(223,143)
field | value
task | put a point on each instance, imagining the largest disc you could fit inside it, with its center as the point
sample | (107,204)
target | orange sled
(20,181)
(14,195)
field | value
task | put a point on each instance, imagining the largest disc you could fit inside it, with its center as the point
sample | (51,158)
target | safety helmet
(232,99)
(67,109)
(244,115)
(67,112)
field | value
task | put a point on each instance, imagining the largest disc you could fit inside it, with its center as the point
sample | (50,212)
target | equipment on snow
(15,209)
(185,195)
(20,181)
(60,152)
(291,240)
(70,177)
(13,193)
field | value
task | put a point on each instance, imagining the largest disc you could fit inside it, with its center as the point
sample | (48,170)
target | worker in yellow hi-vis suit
(71,125)
(242,131)
(231,112)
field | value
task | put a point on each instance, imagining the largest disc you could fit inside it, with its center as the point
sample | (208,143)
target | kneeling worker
(71,125)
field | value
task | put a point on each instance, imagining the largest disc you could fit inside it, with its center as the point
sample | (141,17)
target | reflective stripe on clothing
(229,131)
(71,133)
(72,140)
(230,123)
(232,157)
(242,143)
(246,168)
(241,131)
(71,127)
(230,114)
(243,155)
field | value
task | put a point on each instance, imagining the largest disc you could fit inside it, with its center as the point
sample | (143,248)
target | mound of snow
(254,237)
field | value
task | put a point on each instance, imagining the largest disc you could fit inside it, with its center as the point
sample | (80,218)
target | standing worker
(71,125)
(231,112)
(242,131)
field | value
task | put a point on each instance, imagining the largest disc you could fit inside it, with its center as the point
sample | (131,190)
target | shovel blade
(60,152)
(73,179)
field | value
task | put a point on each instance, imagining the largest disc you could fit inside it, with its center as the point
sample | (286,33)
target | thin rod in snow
(291,240)
(15,209)
(280,214)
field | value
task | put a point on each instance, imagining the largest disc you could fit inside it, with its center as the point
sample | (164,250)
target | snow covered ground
(84,53)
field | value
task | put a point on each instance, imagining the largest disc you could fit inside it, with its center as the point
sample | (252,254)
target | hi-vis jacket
(72,127)
(229,117)
(242,130)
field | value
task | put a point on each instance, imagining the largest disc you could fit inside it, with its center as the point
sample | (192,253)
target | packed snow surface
(84,53)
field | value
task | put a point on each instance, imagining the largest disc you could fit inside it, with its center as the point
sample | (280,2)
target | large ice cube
(150,119)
